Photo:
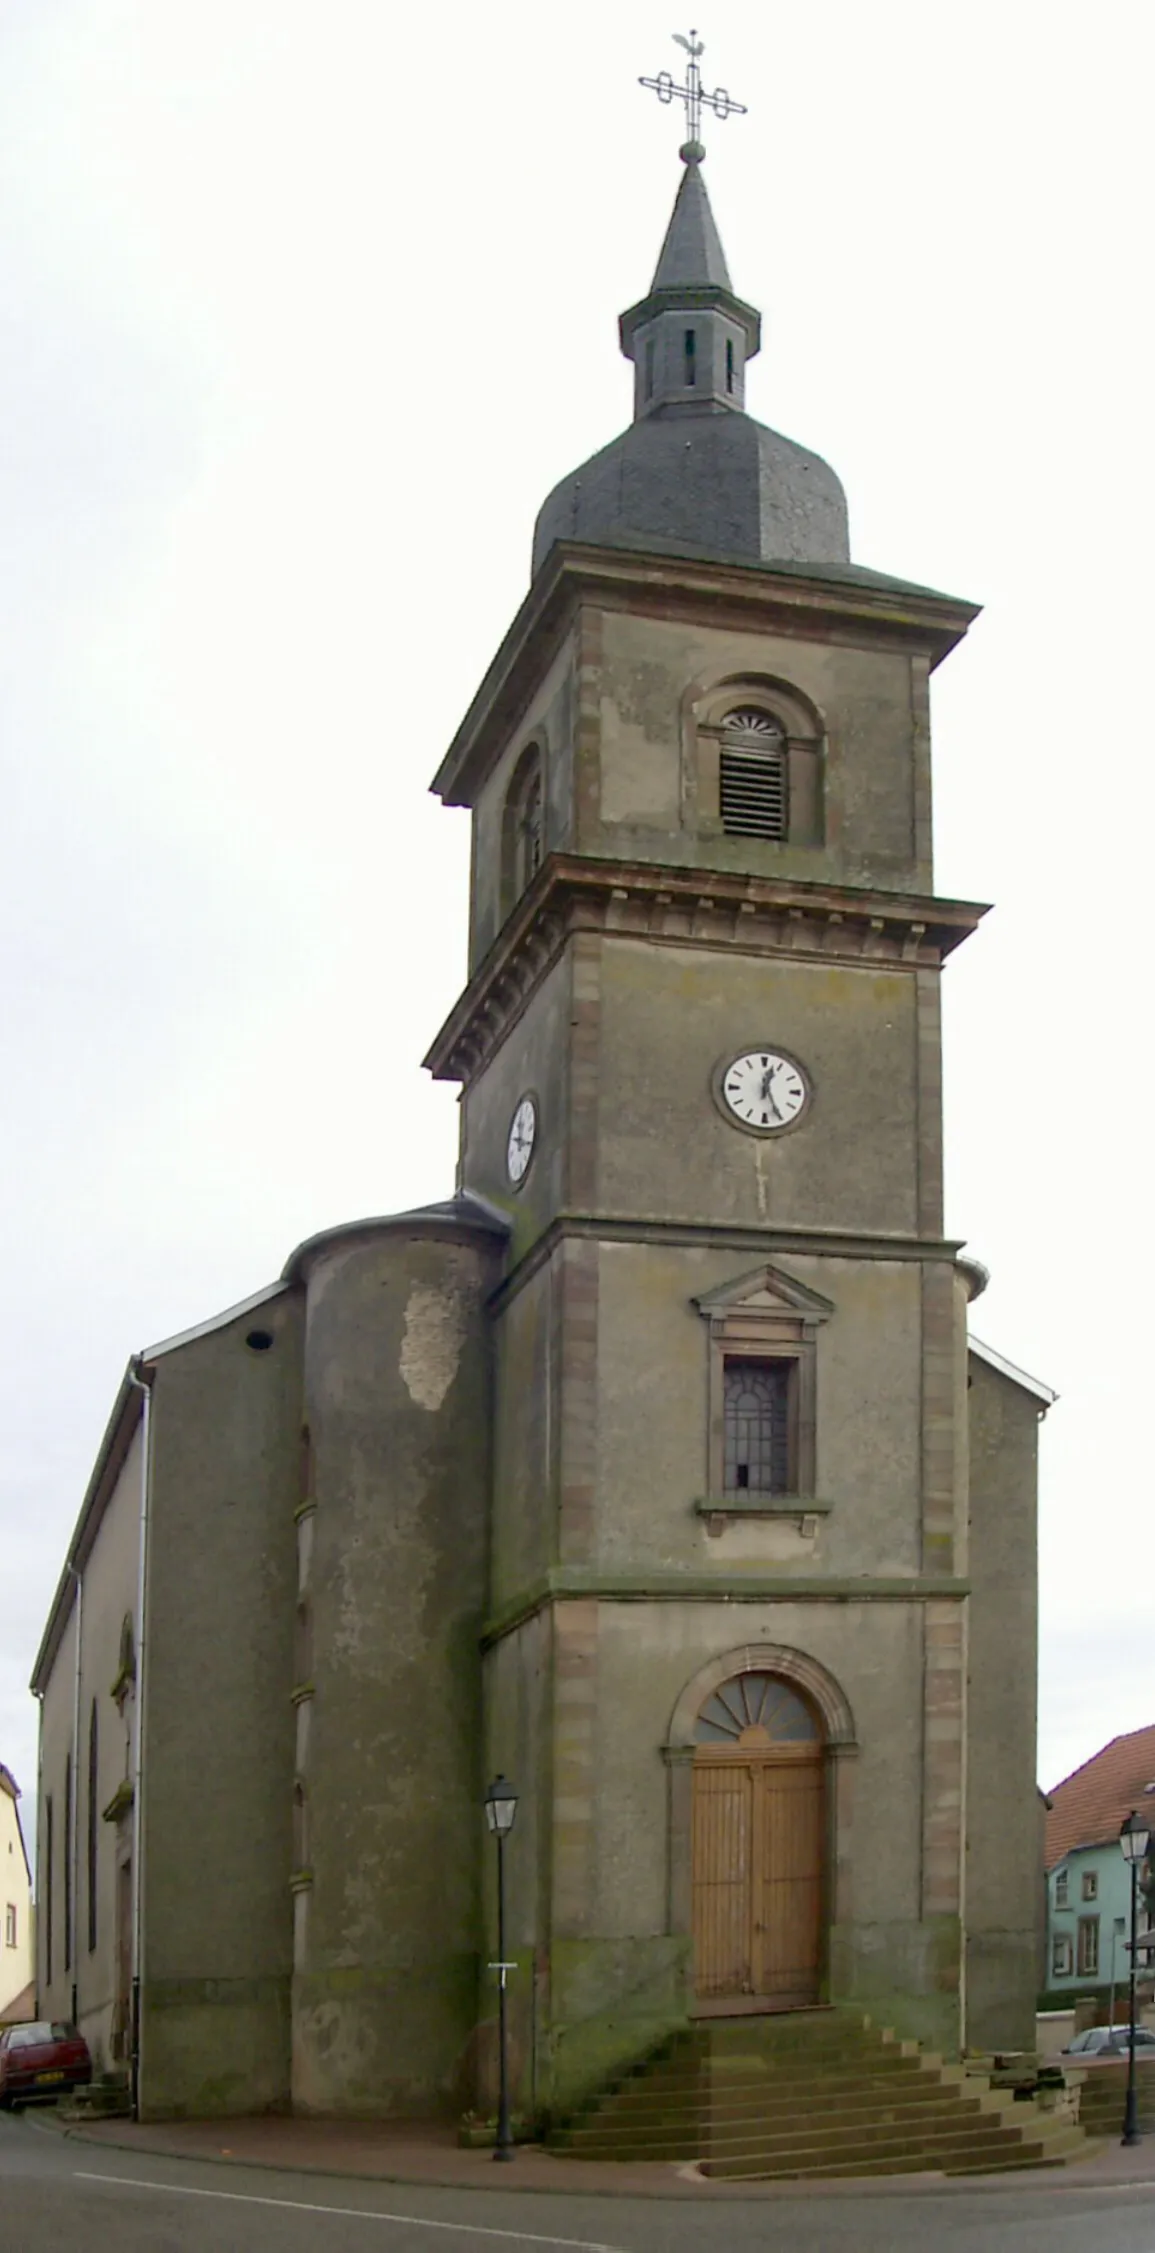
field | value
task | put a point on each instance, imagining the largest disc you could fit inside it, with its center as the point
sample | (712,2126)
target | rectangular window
(1090,1885)
(650,368)
(10,1925)
(729,365)
(1088,1947)
(1062,1961)
(758,1407)
(690,351)
(1062,1879)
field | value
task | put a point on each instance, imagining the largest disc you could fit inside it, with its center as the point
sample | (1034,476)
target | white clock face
(765,1090)
(519,1148)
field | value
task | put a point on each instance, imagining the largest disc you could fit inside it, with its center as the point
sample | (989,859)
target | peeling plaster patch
(435,1332)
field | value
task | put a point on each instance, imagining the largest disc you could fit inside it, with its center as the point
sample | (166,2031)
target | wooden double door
(758,1868)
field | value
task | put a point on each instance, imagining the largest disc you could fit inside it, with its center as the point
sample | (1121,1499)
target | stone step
(103,2100)
(598,2126)
(928,2088)
(954,2137)
(681,2089)
(882,2066)
(819,2096)
(871,2161)
(748,2041)
(950,2137)
(1001,2158)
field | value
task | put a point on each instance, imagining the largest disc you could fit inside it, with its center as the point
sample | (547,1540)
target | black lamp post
(1133,1839)
(500,1810)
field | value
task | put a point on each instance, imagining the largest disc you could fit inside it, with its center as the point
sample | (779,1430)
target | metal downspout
(143,1386)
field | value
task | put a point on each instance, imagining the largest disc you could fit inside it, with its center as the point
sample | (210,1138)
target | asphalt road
(62,2196)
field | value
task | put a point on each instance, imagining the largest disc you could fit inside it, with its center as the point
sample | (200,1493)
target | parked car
(1109,2041)
(41,2060)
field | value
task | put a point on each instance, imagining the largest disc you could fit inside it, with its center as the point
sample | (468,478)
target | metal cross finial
(722,103)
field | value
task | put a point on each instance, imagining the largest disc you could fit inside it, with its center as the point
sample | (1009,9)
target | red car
(41,2060)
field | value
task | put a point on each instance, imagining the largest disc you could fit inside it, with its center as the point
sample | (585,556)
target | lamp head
(500,1807)
(1134,1837)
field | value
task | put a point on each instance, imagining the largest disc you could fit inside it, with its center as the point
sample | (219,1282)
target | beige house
(656,1467)
(17,1960)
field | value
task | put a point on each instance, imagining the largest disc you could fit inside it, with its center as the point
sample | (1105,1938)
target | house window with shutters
(1088,1946)
(1062,1959)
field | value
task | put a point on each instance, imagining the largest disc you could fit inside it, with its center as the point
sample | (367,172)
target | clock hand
(768,1092)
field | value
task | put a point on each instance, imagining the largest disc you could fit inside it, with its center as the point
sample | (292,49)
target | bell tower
(699,1059)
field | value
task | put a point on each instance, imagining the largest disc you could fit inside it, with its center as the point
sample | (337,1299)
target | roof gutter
(114,1447)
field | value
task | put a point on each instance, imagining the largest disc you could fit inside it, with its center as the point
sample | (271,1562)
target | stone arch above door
(796,1667)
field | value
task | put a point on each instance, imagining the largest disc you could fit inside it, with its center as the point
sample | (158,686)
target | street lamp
(1133,1840)
(500,1810)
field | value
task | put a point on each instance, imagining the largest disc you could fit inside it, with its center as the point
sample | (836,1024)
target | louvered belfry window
(754,786)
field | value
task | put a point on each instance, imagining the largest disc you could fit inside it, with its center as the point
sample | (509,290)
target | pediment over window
(765,1291)
(762,1391)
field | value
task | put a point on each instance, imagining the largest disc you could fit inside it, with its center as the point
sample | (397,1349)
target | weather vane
(722,103)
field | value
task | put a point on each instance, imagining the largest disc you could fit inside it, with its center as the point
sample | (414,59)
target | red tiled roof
(1090,1805)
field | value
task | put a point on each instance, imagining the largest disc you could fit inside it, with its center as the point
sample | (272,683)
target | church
(656,1468)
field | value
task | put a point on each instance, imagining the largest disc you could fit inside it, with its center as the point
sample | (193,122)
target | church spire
(692,251)
(694,473)
(691,337)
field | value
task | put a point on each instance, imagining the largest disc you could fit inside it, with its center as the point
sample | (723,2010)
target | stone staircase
(104,2099)
(1102,2092)
(809,2094)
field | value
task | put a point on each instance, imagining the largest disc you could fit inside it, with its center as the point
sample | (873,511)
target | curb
(1058,2181)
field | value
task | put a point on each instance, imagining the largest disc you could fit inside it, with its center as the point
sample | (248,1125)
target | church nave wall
(218,1754)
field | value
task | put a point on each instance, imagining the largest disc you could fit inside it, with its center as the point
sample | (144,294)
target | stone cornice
(575,1584)
(796,599)
(726,1236)
(684,906)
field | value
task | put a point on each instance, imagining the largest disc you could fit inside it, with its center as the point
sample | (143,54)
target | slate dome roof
(694,473)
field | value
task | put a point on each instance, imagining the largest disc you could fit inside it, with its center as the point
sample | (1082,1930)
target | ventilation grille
(753,776)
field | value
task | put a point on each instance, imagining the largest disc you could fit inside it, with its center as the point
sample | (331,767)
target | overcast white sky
(303,309)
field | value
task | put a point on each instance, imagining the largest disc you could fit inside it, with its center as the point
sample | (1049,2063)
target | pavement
(427,2153)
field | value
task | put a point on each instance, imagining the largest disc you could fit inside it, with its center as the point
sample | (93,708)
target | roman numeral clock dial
(762,1090)
(520,1141)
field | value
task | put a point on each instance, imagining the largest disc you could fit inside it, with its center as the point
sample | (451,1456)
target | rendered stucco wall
(389,1923)
(1003,1874)
(218,1757)
(652,674)
(16,1956)
(110,1598)
(53,1888)
(547,722)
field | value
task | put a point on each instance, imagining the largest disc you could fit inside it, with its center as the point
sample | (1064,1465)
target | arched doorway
(758,1833)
